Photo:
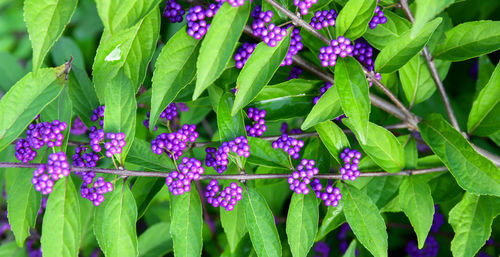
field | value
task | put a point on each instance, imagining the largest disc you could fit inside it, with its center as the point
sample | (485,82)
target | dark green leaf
(130,12)
(187,223)
(365,220)
(64,49)
(333,138)
(381,189)
(82,95)
(11,70)
(352,88)
(260,224)
(140,154)
(302,223)
(258,71)
(234,225)
(333,219)
(219,44)
(416,201)
(61,230)
(155,241)
(469,40)
(385,33)
(144,190)
(263,154)
(120,110)
(327,108)
(174,70)
(60,109)
(484,117)
(353,19)
(473,172)
(230,126)
(45,21)
(401,49)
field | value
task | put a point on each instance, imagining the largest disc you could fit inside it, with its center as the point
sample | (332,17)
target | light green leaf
(219,44)
(61,230)
(234,225)
(120,110)
(11,70)
(155,241)
(174,70)
(365,220)
(64,49)
(118,15)
(26,99)
(385,33)
(258,71)
(333,138)
(473,172)
(302,223)
(416,202)
(484,117)
(352,88)
(12,250)
(380,189)
(327,108)
(187,223)
(230,126)
(130,49)
(60,109)
(401,49)
(471,220)
(469,40)
(353,19)
(351,250)
(263,154)
(426,10)
(45,21)
(260,224)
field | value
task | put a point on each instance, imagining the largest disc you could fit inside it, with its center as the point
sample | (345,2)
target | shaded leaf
(302,223)
(327,108)
(263,154)
(333,219)
(385,33)
(333,138)
(155,241)
(230,126)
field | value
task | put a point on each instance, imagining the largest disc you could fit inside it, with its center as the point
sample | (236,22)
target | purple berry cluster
(170,112)
(96,136)
(351,160)
(95,192)
(243,53)
(45,176)
(98,115)
(323,19)
(173,11)
(378,17)
(218,158)
(284,129)
(115,144)
(304,5)
(179,181)
(431,248)
(302,176)
(233,3)
(259,124)
(83,159)
(46,133)
(338,47)
(264,29)
(174,143)
(363,52)
(289,145)
(24,152)
(78,128)
(226,198)
(331,196)
(322,249)
(197,26)
(295,46)
(322,90)
(294,73)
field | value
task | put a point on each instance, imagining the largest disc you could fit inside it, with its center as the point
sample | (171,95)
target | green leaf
(12,250)
(174,70)
(120,110)
(471,220)
(263,154)
(187,223)
(82,95)
(411,151)
(384,149)
(155,241)
(469,40)
(23,202)
(333,219)
(353,19)
(365,220)
(333,138)
(260,224)
(473,172)
(230,126)
(484,117)
(351,250)
(11,70)
(45,21)
(302,223)
(416,201)
(130,12)
(26,99)
(234,225)
(64,49)
(286,100)
(219,44)
(140,154)
(426,10)
(130,49)
(485,70)
(401,49)
(118,227)
(352,88)
(60,109)
(417,81)
(381,189)
(258,71)
(327,108)
(144,190)
(61,230)
(385,33)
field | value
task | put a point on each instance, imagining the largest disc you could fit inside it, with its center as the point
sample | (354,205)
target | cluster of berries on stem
(226,198)
(259,124)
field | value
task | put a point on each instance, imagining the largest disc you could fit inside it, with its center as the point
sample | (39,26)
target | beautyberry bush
(303,128)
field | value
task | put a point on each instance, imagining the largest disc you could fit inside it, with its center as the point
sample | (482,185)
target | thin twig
(434,72)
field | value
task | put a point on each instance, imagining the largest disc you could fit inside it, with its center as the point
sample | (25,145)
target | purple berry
(173,11)
(300,178)
(295,46)
(179,181)
(323,19)
(322,90)
(46,133)
(243,53)
(264,29)
(24,152)
(304,5)
(290,145)
(259,124)
(378,17)
(174,143)
(45,176)
(95,191)
(218,158)
(351,160)
(331,196)
(340,47)
(227,198)
(294,73)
